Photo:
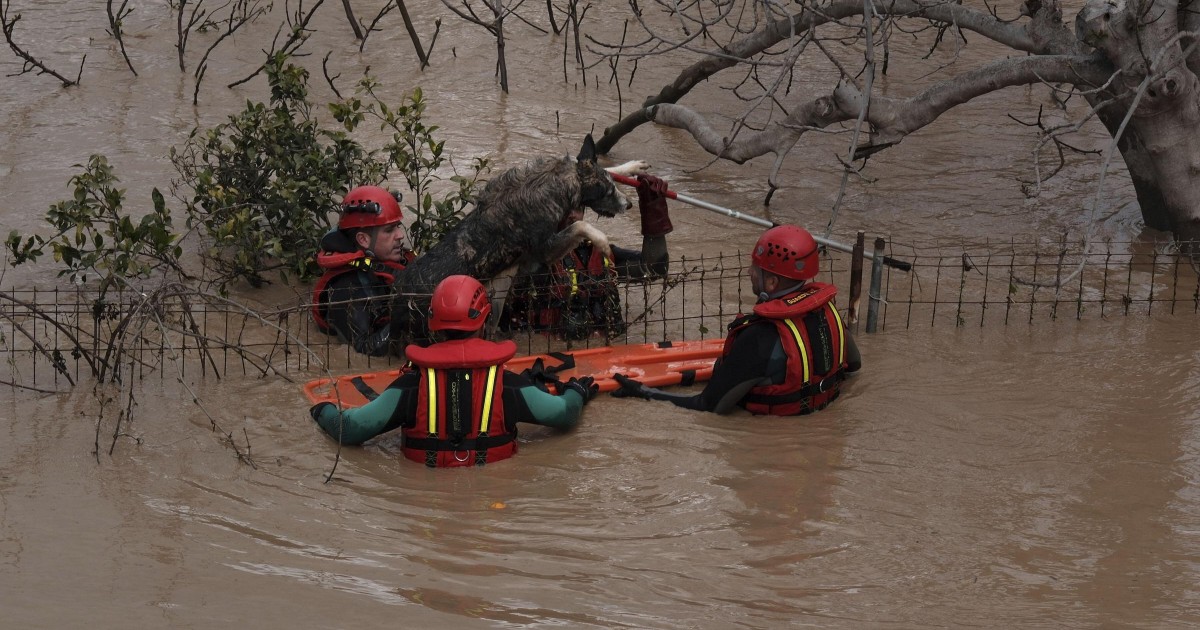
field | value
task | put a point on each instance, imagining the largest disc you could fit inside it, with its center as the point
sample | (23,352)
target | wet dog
(515,224)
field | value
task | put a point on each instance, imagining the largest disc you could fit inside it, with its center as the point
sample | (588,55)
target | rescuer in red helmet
(790,356)
(359,259)
(458,406)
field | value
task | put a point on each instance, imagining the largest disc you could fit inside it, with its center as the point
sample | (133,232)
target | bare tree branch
(358,32)
(183,30)
(550,15)
(362,39)
(241,13)
(891,118)
(29,63)
(298,34)
(495,26)
(806,19)
(115,19)
(422,53)
(869,89)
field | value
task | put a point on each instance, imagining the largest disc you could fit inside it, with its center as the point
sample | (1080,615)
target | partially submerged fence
(51,339)
(1005,283)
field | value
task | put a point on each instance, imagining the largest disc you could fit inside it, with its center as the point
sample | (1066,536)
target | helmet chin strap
(763,296)
(369,251)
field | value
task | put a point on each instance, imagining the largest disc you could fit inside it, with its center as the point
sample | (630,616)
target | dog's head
(596,186)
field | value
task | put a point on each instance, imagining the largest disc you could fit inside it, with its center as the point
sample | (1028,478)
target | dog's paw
(630,168)
(601,241)
(584,230)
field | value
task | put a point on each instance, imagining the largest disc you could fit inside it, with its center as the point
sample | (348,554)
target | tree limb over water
(1134,64)
(298,34)
(29,62)
(891,118)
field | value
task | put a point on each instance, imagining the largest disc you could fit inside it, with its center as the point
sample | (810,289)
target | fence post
(856,265)
(876,281)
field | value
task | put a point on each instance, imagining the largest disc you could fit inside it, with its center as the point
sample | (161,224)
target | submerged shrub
(261,187)
(96,238)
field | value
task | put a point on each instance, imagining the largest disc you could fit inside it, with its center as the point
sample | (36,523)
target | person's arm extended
(376,343)
(733,376)
(653,261)
(355,426)
(528,403)
(718,402)
(350,314)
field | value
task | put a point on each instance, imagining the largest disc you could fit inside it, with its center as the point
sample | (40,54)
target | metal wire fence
(1007,283)
(53,338)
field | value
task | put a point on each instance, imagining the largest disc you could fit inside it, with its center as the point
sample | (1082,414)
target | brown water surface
(1007,476)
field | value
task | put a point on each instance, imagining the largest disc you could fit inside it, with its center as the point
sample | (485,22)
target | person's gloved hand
(585,386)
(629,388)
(652,203)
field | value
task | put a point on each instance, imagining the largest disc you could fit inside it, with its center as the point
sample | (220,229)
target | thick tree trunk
(1159,144)
(1142,172)
(1174,152)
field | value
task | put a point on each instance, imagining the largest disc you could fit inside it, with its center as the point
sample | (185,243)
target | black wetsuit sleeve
(628,262)
(649,262)
(351,305)
(853,356)
(745,366)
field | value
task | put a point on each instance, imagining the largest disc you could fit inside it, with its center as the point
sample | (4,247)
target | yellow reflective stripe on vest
(432,395)
(488,391)
(574,277)
(841,336)
(799,344)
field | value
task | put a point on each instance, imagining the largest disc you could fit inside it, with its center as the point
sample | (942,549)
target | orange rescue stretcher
(654,364)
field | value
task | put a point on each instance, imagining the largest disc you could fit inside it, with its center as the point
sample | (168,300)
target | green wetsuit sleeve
(355,426)
(560,412)
(536,406)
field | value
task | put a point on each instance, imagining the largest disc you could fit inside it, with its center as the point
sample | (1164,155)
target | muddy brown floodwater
(1023,475)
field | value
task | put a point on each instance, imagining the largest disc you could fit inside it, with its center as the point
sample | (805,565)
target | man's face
(756,279)
(387,243)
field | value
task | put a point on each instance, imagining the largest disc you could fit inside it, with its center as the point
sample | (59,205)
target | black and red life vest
(814,340)
(460,411)
(575,298)
(382,274)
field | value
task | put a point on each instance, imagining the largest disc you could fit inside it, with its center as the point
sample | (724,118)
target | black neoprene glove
(585,386)
(652,203)
(629,388)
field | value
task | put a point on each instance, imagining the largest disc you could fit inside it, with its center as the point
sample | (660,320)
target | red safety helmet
(459,303)
(788,251)
(368,206)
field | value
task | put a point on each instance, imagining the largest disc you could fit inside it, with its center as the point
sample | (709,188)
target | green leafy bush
(417,154)
(261,190)
(263,184)
(96,238)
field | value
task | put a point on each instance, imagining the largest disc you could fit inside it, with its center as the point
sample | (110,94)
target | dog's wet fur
(515,223)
